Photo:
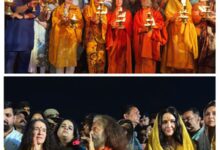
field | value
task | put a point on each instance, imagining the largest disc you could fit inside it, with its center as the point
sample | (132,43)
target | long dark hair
(210,104)
(88,120)
(76,135)
(178,130)
(27,139)
(127,127)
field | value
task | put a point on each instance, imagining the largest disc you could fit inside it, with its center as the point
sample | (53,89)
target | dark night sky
(77,96)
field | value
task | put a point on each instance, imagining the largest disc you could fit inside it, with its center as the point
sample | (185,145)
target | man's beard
(99,141)
(6,127)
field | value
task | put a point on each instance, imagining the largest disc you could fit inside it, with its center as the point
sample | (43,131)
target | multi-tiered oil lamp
(205,8)
(101,9)
(150,22)
(121,17)
(184,13)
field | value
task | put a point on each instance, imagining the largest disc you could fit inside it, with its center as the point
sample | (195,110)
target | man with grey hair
(106,134)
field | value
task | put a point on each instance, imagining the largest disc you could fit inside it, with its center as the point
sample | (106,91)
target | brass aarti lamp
(35,2)
(74,20)
(100,9)
(8,5)
(205,8)
(150,22)
(184,13)
(121,17)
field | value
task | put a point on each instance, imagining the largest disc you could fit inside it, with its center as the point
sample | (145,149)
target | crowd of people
(110,36)
(166,130)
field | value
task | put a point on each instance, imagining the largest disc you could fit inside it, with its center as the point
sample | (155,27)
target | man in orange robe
(118,43)
(181,49)
(148,39)
(95,35)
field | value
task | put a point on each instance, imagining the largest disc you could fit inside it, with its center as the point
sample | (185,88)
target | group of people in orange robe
(115,37)
(125,41)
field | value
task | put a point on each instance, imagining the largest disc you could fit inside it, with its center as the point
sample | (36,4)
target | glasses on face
(189,119)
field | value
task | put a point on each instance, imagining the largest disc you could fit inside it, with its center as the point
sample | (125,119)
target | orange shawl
(118,43)
(142,46)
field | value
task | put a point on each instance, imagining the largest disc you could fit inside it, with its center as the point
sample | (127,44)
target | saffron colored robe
(118,45)
(147,44)
(95,39)
(64,38)
(181,49)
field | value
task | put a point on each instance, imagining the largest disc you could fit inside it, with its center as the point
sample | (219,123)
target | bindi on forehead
(41,127)
(168,117)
